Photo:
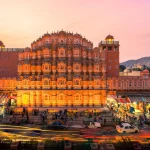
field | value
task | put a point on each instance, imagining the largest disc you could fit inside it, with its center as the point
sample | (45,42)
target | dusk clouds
(23,21)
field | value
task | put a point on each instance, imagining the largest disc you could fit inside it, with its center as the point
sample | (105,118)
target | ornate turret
(2,44)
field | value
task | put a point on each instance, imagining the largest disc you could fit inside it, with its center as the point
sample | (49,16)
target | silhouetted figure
(104,121)
(24,110)
(43,117)
(27,117)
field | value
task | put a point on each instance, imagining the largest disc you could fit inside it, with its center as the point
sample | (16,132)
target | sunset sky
(23,21)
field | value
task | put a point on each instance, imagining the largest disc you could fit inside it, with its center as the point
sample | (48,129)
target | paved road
(103,134)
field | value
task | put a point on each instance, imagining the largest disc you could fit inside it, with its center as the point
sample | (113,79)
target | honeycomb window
(46,67)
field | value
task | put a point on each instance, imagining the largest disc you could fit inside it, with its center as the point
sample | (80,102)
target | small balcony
(109,42)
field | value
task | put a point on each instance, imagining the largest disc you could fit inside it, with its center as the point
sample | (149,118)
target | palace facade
(61,69)
(64,70)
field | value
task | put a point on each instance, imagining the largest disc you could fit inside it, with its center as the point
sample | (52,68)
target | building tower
(109,50)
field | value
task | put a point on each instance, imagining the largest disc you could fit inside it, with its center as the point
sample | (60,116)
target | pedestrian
(71,119)
(94,119)
(27,117)
(113,119)
(43,117)
(104,121)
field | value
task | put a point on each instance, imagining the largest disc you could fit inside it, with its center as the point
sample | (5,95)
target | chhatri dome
(1,44)
(108,37)
(145,71)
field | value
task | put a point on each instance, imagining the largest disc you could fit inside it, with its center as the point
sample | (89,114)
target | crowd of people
(124,116)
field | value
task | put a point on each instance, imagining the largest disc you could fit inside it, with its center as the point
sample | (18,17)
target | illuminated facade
(64,70)
(61,69)
(8,84)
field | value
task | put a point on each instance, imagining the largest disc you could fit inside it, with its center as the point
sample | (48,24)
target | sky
(23,21)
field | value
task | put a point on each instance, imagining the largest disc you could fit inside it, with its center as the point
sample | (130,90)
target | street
(98,135)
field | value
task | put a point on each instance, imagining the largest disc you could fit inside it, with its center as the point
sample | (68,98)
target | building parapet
(109,42)
(11,49)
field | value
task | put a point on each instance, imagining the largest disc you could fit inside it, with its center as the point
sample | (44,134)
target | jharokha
(64,70)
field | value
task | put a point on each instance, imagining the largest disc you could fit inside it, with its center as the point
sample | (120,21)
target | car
(95,125)
(33,133)
(38,132)
(126,128)
(57,125)
(77,126)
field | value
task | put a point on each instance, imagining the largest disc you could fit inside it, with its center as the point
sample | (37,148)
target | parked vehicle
(94,125)
(57,125)
(126,128)
(77,126)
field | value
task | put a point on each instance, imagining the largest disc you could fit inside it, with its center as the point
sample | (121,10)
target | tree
(148,68)
(145,67)
(137,69)
(122,68)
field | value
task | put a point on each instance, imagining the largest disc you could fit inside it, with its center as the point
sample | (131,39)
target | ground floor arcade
(61,98)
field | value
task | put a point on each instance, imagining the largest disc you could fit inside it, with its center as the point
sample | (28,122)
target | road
(103,134)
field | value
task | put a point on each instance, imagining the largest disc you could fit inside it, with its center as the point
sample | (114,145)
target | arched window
(46,67)
(140,84)
(114,83)
(77,82)
(46,82)
(46,97)
(77,97)
(61,97)
(77,67)
(61,82)
(61,67)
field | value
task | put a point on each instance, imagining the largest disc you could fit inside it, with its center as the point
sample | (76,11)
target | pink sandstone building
(64,70)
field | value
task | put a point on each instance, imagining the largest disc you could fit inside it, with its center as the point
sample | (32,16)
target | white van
(94,125)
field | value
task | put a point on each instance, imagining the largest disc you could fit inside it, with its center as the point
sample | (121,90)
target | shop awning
(12,97)
(123,100)
(140,99)
(4,95)
(111,96)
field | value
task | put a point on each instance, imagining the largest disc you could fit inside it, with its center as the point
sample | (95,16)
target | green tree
(122,68)
(148,68)
(137,69)
(145,67)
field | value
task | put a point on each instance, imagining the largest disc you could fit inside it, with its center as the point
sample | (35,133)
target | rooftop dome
(109,37)
(27,49)
(1,44)
(62,32)
(145,71)
(77,35)
(46,34)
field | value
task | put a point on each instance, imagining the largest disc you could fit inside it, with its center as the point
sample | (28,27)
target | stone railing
(11,49)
